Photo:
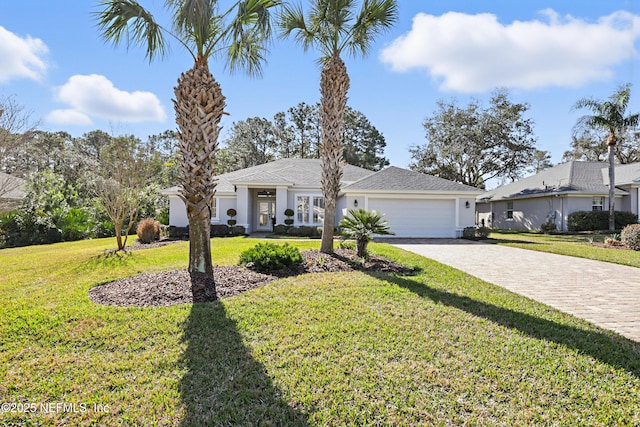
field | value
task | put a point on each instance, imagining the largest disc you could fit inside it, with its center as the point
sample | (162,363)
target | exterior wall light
(355,203)
(467,204)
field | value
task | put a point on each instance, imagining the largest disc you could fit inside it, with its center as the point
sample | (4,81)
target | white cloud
(68,117)
(475,53)
(96,96)
(21,57)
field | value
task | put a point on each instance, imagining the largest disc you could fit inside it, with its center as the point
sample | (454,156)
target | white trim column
(281,204)
(243,207)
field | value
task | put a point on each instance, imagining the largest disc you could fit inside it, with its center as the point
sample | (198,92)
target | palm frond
(375,17)
(127,21)
(247,35)
(291,20)
(197,23)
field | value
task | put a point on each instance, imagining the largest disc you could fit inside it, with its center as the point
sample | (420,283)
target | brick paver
(605,294)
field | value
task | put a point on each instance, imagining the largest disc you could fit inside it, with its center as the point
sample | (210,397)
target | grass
(438,348)
(565,244)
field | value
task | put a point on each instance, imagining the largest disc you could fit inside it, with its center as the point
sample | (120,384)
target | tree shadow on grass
(610,348)
(224,385)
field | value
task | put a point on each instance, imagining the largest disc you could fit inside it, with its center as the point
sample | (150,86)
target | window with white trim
(309,209)
(597,203)
(509,210)
(214,208)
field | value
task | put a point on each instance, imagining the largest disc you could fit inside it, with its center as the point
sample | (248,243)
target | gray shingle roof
(573,177)
(397,179)
(625,174)
(304,173)
(12,187)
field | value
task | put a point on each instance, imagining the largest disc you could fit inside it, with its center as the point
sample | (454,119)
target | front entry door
(266,210)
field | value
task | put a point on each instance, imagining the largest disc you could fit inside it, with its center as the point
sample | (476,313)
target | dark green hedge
(598,220)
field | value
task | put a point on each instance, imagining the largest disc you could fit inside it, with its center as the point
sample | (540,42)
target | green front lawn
(566,244)
(438,348)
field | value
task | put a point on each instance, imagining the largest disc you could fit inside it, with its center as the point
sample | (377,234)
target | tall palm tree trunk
(199,106)
(334,85)
(611,143)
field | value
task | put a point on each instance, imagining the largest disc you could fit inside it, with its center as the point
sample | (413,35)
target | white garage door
(418,218)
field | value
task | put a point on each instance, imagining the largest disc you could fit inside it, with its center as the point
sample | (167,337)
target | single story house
(415,204)
(12,191)
(551,195)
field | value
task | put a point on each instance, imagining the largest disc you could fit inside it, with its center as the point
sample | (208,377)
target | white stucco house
(415,204)
(554,193)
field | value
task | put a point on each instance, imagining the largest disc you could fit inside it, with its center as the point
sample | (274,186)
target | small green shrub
(483,232)
(302,231)
(148,230)
(548,227)
(289,213)
(231,212)
(631,236)
(238,230)
(473,233)
(598,220)
(469,233)
(269,257)
(347,244)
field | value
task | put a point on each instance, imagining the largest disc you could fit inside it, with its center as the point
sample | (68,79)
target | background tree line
(96,185)
(296,134)
(474,144)
(99,185)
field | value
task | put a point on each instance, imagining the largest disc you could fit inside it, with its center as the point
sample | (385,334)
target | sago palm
(237,35)
(361,225)
(610,116)
(335,26)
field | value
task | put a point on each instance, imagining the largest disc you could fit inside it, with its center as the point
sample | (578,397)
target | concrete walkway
(605,294)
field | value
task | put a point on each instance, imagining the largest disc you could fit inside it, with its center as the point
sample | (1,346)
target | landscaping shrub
(548,227)
(631,236)
(473,233)
(598,220)
(469,233)
(231,213)
(178,232)
(219,230)
(269,257)
(238,230)
(302,231)
(483,232)
(289,214)
(148,230)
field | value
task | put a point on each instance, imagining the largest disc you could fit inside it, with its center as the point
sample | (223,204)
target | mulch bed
(604,245)
(174,287)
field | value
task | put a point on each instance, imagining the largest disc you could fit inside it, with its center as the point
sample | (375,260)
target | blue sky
(547,53)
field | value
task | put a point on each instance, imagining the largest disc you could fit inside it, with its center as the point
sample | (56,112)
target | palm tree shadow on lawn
(611,349)
(224,384)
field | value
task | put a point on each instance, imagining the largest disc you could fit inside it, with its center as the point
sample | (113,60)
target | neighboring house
(11,191)
(551,195)
(415,204)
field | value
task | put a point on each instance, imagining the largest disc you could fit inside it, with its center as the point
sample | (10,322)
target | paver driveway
(605,294)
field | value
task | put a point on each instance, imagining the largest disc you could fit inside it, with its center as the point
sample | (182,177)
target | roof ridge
(571,171)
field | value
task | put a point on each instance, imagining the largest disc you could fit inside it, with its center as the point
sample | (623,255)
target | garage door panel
(417,218)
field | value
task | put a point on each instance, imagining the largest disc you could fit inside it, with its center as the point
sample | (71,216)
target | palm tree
(237,34)
(334,26)
(361,224)
(610,116)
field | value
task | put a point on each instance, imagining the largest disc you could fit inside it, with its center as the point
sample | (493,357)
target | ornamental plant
(631,236)
(270,257)
(361,225)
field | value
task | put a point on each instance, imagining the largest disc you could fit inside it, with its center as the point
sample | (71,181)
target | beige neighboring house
(12,191)
(415,204)
(554,193)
